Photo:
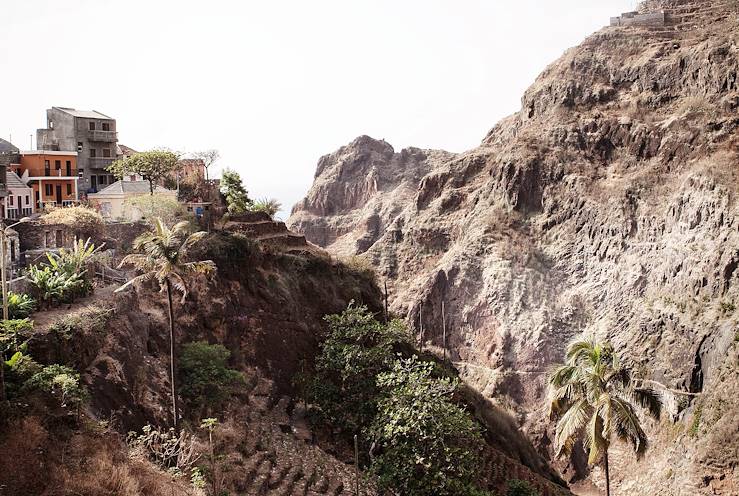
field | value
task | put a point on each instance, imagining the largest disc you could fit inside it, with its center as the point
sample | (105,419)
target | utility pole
(356,464)
(420,324)
(443,327)
(386,310)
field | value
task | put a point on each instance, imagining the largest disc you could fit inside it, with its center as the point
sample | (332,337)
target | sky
(275,84)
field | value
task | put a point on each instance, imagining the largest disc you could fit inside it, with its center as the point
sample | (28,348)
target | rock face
(606,205)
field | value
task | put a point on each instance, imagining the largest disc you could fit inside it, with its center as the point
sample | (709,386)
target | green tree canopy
(207,381)
(153,166)
(237,198)
(428,445)
(356,350)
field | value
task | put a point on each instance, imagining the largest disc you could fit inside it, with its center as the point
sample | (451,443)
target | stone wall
(655,19)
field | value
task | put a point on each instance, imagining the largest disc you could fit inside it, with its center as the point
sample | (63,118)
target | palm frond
(570,426)
(146,276)
(627,425)
(649,399)
(596,443)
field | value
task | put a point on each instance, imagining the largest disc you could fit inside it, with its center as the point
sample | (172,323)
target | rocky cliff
(606,205)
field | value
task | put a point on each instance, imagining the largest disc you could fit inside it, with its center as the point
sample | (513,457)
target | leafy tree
(428,445)
(153,166)
(13,337)
(595,396)
(209,157)
(356,350)
(236,195)
(205,377)
(163,257)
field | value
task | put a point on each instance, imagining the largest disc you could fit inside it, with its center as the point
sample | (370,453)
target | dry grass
(34,461)
(78,217)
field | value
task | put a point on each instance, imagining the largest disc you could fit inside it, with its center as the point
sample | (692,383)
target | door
(94,183)
(59,195)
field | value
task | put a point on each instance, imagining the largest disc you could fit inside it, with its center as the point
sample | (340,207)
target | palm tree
(596,396)
(162,257)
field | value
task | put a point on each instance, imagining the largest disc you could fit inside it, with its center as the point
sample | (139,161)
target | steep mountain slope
(266,306)
(606,205)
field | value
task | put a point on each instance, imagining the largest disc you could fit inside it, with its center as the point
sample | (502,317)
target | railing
(69,203)
(108,136)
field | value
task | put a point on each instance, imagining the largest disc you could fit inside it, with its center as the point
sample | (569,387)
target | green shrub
(270,206)
(427,444)
(206,380)
(20,305)
(356,350)
(52,287)
(59,381)
(520,488)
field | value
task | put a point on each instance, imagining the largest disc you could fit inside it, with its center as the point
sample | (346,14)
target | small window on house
(47,168)
(69,167)
(49,190)
(106,152)
(69,189)
(79,146)
(28,199)
(106,126)
(51,124)
(93,153)
(59,239)
(58,164)
(47,239)
(92,125)
(11,199)
(103,179)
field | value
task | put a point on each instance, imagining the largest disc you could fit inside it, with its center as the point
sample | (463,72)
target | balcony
(105,136)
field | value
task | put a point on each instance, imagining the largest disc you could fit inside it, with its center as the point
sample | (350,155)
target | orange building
(52,175)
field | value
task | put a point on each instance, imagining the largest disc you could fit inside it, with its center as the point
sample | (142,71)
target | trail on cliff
(606,205)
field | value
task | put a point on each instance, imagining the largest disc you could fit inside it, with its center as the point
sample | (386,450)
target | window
(79,146)
(51,124)
(47,168)
(69,190)
(92,125)
(93,153)
(28,199)
(58,164)
(69,167)
(106,152)
(11,199)
(103,180)
(106,126)
(49,189)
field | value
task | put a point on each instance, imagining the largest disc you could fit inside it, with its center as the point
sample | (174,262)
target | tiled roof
(126,150)
(13,181)
(131,187)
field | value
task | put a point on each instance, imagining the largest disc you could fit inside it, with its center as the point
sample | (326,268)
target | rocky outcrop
(606,205)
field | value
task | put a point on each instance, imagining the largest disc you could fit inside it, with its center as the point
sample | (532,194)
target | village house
(111,201)
(52,175)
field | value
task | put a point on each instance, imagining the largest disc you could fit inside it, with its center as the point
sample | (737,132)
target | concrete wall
(68,131)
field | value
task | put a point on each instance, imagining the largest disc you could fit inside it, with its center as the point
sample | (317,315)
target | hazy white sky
(275,84)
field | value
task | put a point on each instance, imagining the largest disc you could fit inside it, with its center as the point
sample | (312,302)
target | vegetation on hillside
(163,257)
(237,198)
(153,166)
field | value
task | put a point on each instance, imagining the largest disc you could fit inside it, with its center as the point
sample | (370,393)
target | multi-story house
(88,132)
(52,176)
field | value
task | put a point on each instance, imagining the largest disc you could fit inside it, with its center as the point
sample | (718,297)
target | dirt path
(44,318)
(585,489)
